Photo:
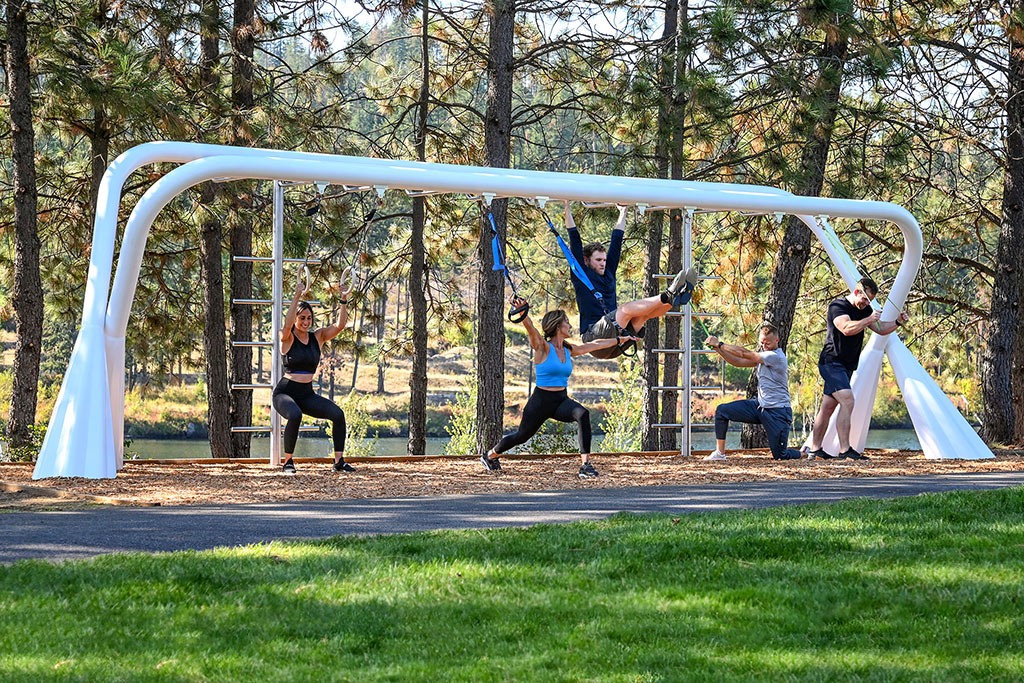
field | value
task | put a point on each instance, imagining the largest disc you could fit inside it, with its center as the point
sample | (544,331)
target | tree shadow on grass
(928,587)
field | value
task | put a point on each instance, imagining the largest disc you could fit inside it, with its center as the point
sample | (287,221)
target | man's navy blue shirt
(589,306)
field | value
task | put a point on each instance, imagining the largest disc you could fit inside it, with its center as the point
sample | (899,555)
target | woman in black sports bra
(294,395)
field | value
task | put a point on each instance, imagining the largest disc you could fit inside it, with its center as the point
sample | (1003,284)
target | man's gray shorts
(604,328)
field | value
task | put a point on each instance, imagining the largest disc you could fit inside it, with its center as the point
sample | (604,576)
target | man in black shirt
(600,265)
(848,317)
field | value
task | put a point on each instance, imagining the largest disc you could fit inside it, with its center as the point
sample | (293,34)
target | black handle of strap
(518,310)
(630,345)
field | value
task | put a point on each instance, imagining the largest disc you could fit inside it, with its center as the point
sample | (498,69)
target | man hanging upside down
(600,265)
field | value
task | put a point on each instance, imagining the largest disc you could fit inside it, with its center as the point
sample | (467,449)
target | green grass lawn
(928,588)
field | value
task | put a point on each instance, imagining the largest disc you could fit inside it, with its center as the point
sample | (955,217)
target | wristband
(344,302)
(720,344)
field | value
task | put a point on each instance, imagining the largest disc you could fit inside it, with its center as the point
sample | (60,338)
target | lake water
(309,447)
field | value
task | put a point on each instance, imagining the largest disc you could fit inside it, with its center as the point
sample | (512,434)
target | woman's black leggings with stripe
(295,399)
(544,405)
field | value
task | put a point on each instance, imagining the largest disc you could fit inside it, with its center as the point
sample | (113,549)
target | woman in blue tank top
(293,396)
(552,358)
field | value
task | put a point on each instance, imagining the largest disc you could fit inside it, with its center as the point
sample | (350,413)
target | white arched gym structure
(85,435)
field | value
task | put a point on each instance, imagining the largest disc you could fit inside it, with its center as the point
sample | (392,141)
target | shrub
(552,437)
(462,427)
(622,420)
(27,452)
(357,421)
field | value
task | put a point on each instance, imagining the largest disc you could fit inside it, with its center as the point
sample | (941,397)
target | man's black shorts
(836,375)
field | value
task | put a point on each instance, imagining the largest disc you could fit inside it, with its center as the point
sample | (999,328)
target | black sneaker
(288,467)
(342,466)
(853,455)
(490,464)
(588,471)
(819,454)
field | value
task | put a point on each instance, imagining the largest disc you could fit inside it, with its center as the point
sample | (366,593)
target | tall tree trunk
(218,394)
(359,346)
(381,310)
(417,268)
(28,289)
(1003,361)
(99,136)
(650,437)
(823,97)
(243,41)
(677,156)
(99,153)
(490,342)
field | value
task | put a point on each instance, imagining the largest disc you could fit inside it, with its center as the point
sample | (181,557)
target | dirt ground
(237,482)
(11,501)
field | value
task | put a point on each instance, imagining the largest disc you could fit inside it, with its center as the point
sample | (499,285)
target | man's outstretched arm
(575,242)
(738,356)
(615,247)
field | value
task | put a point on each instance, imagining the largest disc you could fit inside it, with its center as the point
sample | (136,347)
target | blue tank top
(553,372)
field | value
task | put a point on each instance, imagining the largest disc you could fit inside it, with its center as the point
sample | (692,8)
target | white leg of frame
(276,319)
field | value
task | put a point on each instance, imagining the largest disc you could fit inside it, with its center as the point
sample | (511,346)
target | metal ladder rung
(270,259)
(260,302)
(268,428)
(703,351)
(695,314)
(252,343)
(679,425)
(261,386)
(669,276)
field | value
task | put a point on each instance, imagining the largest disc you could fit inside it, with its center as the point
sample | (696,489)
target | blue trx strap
(519,309)
(574,265)
(498,255)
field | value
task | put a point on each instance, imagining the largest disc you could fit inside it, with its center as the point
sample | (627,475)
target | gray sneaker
(588,471)
(678,282)
(490,464)
(682,287)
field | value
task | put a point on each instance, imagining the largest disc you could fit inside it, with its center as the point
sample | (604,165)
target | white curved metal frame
(85,437)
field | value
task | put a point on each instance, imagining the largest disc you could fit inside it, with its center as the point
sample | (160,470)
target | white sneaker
(715,455)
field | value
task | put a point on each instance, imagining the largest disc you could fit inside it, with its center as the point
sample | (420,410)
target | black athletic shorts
(836,375)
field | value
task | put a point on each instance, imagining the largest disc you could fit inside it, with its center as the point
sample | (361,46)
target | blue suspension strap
(519,308)
(574,265)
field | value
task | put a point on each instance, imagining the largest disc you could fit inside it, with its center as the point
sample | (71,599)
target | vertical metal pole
(277,296)
(687,369)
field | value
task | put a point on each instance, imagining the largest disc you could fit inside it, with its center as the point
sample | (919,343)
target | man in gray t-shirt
(772,408)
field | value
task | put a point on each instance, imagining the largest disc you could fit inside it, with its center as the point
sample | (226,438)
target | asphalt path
(77,534)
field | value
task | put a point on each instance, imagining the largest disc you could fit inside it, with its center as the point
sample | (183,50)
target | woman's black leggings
(295,399)
(545,404)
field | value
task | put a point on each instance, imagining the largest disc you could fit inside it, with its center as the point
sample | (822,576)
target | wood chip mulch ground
(243,482)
